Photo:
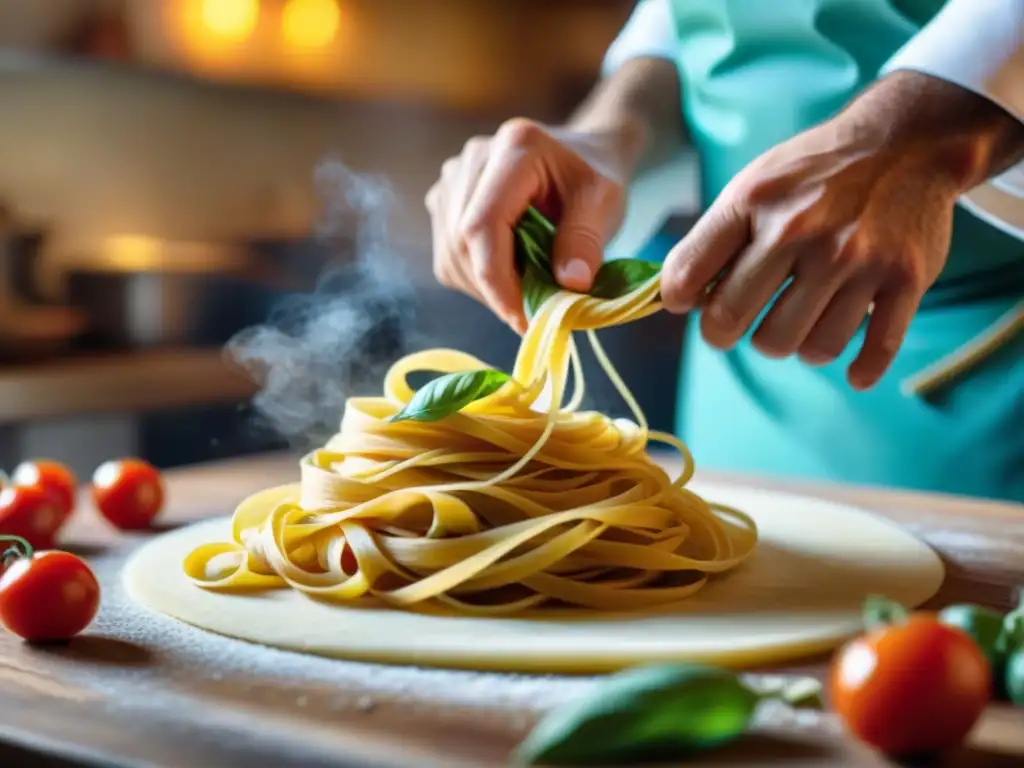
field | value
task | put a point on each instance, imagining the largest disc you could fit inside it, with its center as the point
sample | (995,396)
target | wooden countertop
(133,692)
(140,381)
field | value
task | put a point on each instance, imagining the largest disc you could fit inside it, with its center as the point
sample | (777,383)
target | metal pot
(141,293)
(29,328)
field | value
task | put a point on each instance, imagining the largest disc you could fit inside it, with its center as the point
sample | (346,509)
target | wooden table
(130,694)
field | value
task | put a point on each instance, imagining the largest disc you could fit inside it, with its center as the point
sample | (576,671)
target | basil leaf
(534,241)
(660,712)
(448,394)
(1013,681)
(617,278)
(1011,635)
(880,612)
(536,290)
(538,222)
(531,255)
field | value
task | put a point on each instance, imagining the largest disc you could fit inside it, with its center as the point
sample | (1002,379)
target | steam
(318,349)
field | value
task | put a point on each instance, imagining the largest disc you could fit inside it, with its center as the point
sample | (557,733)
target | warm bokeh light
(232,20)
(310,23)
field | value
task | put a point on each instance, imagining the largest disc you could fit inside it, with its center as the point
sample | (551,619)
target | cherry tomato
(913,687)
(48,596)
(49,474)
(128,492)
(33,512)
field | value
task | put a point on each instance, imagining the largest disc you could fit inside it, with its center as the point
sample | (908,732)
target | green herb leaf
(448,394)
(1011,634)
(536,290)
(660,712)
(1014,677)
(617,278)
(538,222)
(531,255)
(986,627)
(534,242)
(880,611)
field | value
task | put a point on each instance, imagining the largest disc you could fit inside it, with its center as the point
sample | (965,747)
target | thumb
(579,241)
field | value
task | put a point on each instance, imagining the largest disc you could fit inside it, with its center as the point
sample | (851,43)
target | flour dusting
(312,686)
(350,685)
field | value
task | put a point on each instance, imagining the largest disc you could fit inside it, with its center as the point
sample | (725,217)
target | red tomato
(909,688)
(49,596)
(49,474)
(33,512)
(129,493)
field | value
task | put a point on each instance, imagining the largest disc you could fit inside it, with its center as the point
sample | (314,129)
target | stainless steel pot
(29,328)
(141,293)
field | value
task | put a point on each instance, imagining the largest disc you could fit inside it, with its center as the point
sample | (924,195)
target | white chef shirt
(977,44)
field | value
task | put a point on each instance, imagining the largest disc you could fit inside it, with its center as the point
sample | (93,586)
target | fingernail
(814,357)
(576,274)
(678,307)
(859,381)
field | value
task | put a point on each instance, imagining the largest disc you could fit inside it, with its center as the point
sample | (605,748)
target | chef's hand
(483,192)
(857,211)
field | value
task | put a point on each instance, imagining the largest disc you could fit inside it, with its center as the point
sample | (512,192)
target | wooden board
(134,692)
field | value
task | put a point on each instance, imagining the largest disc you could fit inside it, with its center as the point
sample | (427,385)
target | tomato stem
(880,611)
(19,548)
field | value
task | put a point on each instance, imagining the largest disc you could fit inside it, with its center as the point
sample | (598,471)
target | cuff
(976,45)
(979,45)
(649,33)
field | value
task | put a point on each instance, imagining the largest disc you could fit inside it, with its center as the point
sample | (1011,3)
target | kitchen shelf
(120,383)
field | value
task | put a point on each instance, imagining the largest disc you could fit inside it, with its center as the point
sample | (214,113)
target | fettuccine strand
(505,506)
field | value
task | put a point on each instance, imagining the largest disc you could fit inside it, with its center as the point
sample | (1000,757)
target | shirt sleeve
(649,33)
(979,45)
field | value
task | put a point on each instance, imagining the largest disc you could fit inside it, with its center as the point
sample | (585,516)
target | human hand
(857,211)
(861,227)
(579,178)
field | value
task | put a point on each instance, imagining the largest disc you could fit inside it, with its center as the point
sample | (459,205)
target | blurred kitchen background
(157,195)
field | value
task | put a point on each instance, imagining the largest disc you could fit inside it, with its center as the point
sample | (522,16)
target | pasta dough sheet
(799,594)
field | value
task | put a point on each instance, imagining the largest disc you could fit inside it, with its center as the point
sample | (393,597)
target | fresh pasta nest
(500,506)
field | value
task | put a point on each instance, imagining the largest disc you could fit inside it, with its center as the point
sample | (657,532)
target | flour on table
(181,652)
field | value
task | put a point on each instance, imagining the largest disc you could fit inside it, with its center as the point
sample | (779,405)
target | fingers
(581,233)
(743,293)
(448,259)
(716,240)
(887,326)
(489,275)
(483,194)
(839,322)
(450,269)
(461,181)
(818,276)
(510,180)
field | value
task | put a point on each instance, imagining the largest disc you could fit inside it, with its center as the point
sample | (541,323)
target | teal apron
(754,73)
